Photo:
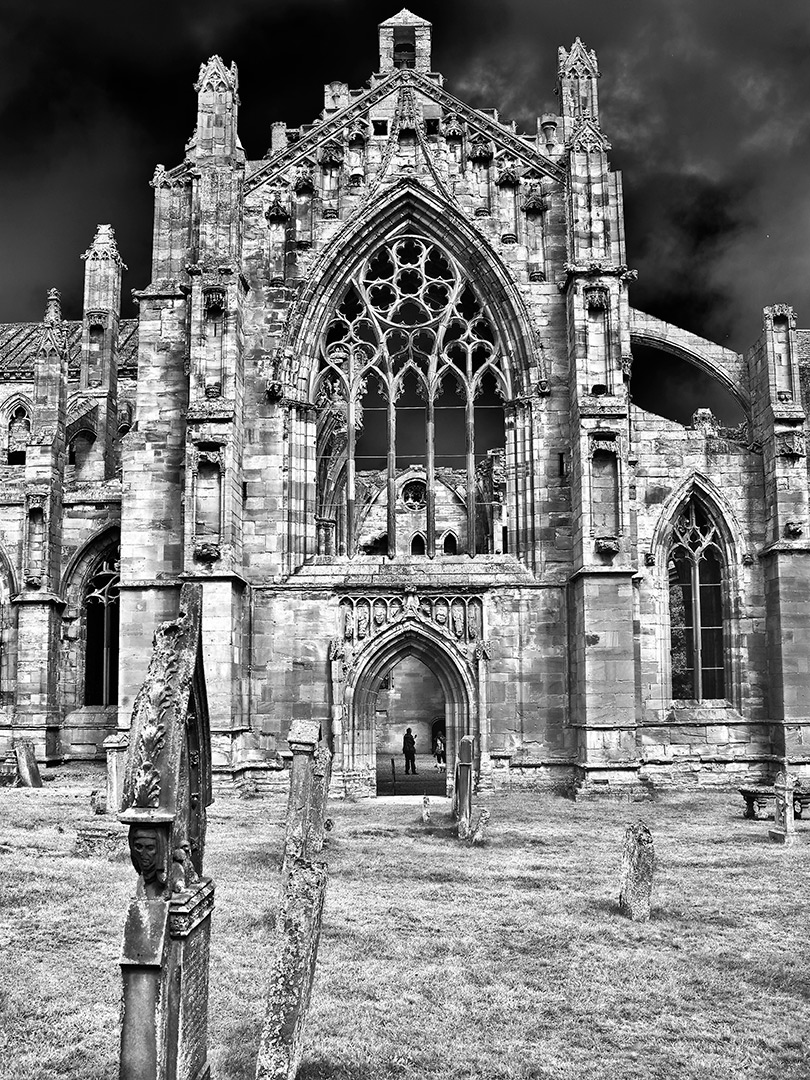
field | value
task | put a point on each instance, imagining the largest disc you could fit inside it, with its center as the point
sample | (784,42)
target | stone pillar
(116,747)
(309,789)
(37,711)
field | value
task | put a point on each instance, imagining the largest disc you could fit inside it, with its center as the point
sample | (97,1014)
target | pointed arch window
(19,435)
(101,637)
(411,380)
(696,606)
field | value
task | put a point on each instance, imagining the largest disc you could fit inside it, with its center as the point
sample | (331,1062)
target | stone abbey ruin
(376,403)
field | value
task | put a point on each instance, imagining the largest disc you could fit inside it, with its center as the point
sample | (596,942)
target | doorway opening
(409,696)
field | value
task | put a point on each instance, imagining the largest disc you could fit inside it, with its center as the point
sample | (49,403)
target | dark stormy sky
(705,102)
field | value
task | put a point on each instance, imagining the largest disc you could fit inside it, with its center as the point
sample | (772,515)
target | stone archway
(444,633)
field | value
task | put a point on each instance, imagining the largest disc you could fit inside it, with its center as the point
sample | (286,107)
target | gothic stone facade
(377,402)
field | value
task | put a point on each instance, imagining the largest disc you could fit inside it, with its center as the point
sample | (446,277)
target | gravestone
(167,787)
(478,834)
(638,864)
(27,768)
(298,920)
(425,809)
(784,826)
(462,788)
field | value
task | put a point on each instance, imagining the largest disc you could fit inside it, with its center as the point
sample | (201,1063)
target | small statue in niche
(147,849)
(458,620)
(183,872)
(362,621)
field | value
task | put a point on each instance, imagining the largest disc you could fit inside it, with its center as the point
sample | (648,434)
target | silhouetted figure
(409,750)
(441,757)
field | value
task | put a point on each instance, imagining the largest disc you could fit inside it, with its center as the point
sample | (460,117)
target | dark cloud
(704,102)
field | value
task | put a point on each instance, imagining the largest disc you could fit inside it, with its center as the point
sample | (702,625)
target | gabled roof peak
(405,18)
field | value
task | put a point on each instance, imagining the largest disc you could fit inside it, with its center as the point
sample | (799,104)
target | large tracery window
(696,607)
(101,639)
(410,397)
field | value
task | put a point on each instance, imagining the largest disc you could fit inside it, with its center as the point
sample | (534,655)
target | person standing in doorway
(441,758)
(409,750)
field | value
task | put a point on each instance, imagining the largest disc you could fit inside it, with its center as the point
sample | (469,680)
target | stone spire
(53,308)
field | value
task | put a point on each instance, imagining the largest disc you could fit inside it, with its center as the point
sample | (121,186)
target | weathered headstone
(298,919)
(638,864)
(116,747)
(27,767)
(294,952)
(101,839)
(426,810)
(478,834)
(462,788)
(309,790)
(784,827)
(164,961)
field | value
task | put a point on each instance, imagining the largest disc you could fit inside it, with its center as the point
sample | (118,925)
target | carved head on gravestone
(147,849)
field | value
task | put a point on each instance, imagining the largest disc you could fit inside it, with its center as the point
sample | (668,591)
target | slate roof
(19,343)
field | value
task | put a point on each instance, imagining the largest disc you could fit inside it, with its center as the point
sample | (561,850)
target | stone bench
(759,802)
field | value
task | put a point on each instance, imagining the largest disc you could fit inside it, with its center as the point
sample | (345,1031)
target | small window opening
(380,127)
(562,465)
(418,545)
(450,545)
(79,448)
(19,433)
(505,540)
(432,127)
(404,47)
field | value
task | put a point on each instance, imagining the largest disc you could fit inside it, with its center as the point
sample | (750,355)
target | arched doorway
(411,648)
(409,698)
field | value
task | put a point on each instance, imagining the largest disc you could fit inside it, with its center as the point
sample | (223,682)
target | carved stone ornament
(214,299)
(331,154)
(273,389)
(791,444)
(453,128)
(330,213)
(207,552)
(597,297)
(168,780)
(481,150)
(649,559)
(604,445)
(213,390)
(33,581)
(543,387)
(535,202)
(537,275)
(794,529)
(460,618)
(626,363)
(780,311)
(97,319)
(508,176)
(482,212)
(607,545)
(747,559)
(303,183)
(277,213)
(509,238)
(784,396)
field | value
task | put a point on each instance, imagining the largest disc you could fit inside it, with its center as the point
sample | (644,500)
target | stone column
(784,826)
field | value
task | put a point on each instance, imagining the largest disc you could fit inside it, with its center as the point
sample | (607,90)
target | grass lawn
(439,961)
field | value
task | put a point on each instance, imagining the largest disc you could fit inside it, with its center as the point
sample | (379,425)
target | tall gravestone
(784,826)
(638,866)
(167,787)
(297,931)
(463,786)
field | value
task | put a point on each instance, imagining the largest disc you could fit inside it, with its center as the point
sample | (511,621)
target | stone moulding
(457,616)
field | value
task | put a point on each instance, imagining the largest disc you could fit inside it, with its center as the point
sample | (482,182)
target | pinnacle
(53,308)
(214,71)
(104,245)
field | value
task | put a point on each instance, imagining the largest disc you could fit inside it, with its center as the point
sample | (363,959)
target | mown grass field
(506,962)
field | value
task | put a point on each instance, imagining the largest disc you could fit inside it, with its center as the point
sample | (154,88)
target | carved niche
(459,618)
(791,444)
